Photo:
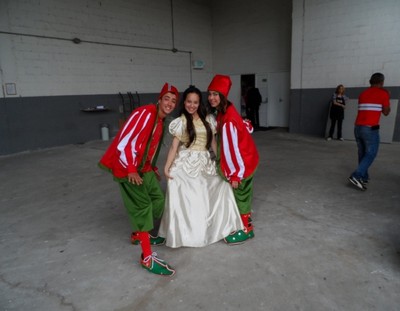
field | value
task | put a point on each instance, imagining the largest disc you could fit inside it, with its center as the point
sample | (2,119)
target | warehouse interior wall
(119,45)
(64,58)
(251,37)
(340,42)
(60,59)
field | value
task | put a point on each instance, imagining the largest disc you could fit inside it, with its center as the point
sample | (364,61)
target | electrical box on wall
(10,89)
(198,64)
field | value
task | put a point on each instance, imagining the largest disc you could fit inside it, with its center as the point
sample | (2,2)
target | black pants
(252,113)
(339,128)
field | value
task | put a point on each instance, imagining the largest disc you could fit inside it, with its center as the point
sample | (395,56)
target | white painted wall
(344,42)
(251,36)
(44,67)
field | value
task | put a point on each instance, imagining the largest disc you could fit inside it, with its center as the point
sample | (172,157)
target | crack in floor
(41,290)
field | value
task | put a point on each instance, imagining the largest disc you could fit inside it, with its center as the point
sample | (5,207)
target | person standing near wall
(336,114)
(372,102)
(253,101)
(237,156)
(131,158)
(200,206)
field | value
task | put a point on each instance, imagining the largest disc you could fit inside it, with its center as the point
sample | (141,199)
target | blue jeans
(368,144)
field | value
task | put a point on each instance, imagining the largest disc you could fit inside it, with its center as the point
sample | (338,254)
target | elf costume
(237,157)
(135,150)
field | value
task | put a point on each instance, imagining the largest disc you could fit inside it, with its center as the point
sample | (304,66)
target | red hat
(168,88)
(221,84)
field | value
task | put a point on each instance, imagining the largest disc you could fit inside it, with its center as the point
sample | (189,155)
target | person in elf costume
(131,158)
(237,156)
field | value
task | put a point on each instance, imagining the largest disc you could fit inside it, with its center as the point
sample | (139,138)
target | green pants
(143,202)
(244,195)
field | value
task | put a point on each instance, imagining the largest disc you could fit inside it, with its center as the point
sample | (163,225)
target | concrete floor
(320,243)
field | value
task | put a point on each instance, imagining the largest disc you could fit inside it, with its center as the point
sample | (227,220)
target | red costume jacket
(237,153)
(129,149)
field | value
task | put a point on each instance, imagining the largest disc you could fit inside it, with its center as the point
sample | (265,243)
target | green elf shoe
(153,240)
(157,266)
(239,237)
(157,240)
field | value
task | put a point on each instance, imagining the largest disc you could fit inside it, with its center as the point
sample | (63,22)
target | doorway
(274,88)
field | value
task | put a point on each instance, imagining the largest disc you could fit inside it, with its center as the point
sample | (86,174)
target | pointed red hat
(169,88)
(221,84)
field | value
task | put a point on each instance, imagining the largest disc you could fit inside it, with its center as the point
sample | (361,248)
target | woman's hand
(166,173)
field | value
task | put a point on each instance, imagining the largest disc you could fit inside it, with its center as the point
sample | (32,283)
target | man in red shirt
(131,158)
(371,104)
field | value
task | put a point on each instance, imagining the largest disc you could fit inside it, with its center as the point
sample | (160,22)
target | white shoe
(356,182)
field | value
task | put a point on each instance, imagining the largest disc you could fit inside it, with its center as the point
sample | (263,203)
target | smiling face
(166,105)
(214,99)
(192,103)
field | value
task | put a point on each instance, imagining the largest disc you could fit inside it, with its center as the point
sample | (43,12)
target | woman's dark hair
(338,88)
(201,111)
(224,104)
(377,78)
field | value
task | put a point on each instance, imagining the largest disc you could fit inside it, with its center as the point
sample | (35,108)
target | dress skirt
(200,208)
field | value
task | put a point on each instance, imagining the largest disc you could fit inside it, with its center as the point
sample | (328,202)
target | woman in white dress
(200,208)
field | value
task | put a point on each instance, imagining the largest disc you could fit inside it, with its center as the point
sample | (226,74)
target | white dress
(200,208)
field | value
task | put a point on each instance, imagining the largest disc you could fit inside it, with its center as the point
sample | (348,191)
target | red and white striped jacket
(129,147)
(237,152)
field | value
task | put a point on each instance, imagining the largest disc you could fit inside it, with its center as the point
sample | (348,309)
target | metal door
(278,99)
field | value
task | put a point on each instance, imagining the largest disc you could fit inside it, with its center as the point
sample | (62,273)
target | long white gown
(200,208)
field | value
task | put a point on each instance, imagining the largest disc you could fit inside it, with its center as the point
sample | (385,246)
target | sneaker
(329,138)
(341,139)
(358,183)
(364,182)
(155,241)
(239,237)
(156,265)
